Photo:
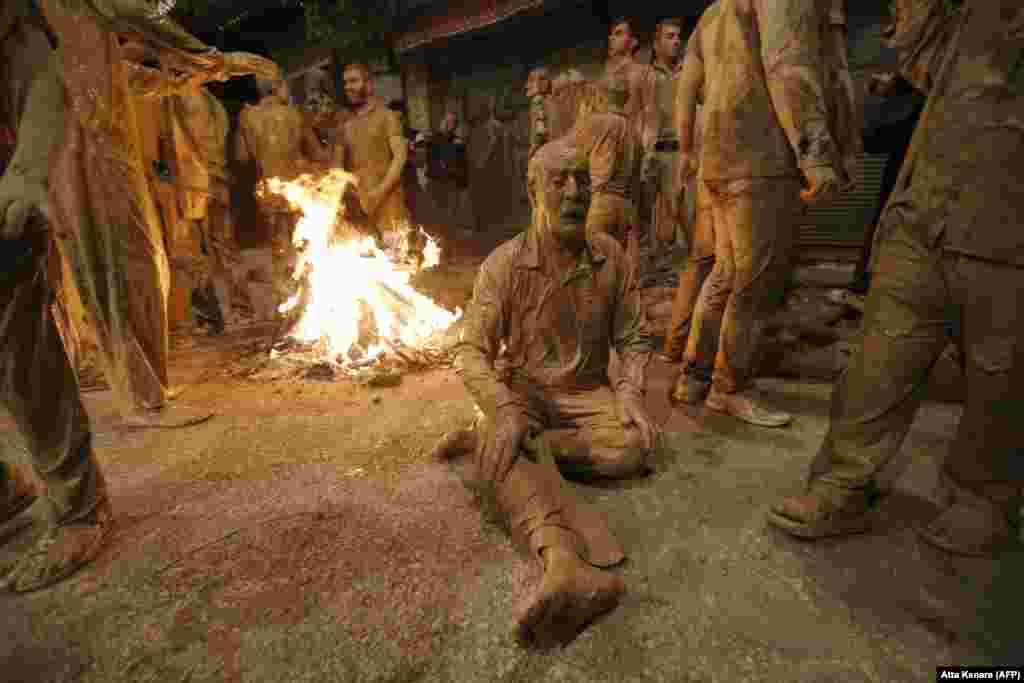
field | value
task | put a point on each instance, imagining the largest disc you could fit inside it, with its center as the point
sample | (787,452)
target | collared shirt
(612,148)
(555,329)
(662,84)
(961,181)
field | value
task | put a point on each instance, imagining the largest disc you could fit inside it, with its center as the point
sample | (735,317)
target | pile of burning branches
(354,311)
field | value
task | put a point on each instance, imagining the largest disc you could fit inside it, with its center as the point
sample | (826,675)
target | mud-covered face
(621,40)
(667,44)
(565,196)
(539,83)
(357,88)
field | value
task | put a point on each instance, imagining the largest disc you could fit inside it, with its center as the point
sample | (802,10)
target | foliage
(355,28)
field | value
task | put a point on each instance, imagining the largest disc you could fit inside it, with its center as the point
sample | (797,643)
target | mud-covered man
(769,110)
(659,134)
(950,258)
(275,135)
(76,122)
(612,147)
(207,250)
(371,145)
(556,305)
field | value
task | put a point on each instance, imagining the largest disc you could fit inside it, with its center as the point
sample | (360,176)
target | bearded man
(371,145)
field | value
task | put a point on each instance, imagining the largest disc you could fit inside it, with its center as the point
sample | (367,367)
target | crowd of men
(756,121)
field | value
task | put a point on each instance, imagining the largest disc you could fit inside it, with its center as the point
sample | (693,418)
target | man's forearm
(482,381)
(399,155)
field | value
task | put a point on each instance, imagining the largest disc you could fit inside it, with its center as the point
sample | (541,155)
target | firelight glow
(347,273)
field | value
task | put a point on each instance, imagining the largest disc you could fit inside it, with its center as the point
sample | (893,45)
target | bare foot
(62,552)
(570,596)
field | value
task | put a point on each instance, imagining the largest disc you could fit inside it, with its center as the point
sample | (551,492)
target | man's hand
(823,184)
(507,436)
(686,168)
(632,412)
(882,84)
(20,200)
(371,200)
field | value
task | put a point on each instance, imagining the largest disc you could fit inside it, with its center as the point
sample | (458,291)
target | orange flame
(347,274)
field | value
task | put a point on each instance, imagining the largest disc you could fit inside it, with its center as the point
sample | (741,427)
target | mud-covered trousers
(755,223)
(574,432)
(919,297)
(38,383)
(701,260)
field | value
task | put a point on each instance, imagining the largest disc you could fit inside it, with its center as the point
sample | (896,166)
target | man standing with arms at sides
(767,128)
(701,240)
(661,141)
(371,145)
(274,134)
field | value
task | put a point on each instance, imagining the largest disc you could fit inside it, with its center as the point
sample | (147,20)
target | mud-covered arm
(399,155)
(484,326)
(932,27)
(631,338)
(793,35)
(311,145)
(689,88)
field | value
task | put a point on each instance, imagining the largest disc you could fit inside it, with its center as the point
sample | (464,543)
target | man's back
(273,135)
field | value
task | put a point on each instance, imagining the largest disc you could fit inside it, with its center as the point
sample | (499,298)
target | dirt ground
(303,535)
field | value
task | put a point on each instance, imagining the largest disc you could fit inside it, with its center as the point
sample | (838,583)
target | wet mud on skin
(302,534)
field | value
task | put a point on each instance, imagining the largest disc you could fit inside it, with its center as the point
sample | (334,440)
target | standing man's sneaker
(689,390)
(743,407)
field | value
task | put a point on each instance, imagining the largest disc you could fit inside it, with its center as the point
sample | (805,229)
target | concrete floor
(301,535)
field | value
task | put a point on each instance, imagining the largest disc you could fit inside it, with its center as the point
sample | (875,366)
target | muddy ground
(303,535)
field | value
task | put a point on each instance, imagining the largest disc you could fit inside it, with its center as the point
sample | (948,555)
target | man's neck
(615,61)
(668,63)
(364,106)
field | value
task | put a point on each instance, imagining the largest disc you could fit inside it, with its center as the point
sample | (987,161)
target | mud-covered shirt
(962,177)
(553,329)
(765,92)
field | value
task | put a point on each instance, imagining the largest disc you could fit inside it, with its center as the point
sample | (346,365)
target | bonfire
(354,307)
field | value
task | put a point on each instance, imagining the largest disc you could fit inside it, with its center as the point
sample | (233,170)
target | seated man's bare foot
(62,551)
(570,596)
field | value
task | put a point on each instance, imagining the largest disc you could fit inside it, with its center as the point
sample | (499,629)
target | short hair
(674,22)
(360,67)
(622,20)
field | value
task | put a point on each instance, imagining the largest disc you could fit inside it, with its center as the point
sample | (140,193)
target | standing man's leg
(764,216)
(701,260)
(706,325)
(877,396)
(39,387)
(983,476)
